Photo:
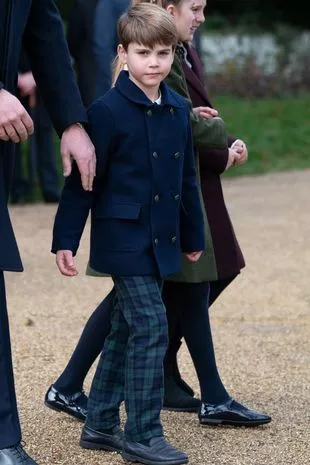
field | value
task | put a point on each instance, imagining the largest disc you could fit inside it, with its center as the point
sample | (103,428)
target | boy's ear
(122,54)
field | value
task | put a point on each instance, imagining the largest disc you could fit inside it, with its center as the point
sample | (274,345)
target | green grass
(277,132)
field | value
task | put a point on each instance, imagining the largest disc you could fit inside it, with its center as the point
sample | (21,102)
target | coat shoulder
(176,99)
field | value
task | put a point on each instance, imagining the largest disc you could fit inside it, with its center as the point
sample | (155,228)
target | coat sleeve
(101,129)
(1,85)
(209,133)
(75,202)
(47,49)
(191,218)
(72,213)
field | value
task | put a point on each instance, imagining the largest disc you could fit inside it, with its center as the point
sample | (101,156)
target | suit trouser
(131,363)
(10,433)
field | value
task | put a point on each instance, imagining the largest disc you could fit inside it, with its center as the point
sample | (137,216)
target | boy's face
(147,67)
(188,16)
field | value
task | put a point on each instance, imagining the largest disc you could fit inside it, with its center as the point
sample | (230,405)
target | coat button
(171,111)
(156,198)
(177,155)
(155,155)
(173,239)
(176,197)
(149,113)
(156,241)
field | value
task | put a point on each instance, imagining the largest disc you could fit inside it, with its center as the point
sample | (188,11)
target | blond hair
(145,23)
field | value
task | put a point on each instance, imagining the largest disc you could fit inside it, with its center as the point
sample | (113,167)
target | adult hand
(75,143)
(205,112)
(27,87)
(65,263)
(15,123)
(193,256)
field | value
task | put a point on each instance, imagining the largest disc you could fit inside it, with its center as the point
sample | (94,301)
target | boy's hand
(65,263)
(205,112)
(240,147)
(193,256)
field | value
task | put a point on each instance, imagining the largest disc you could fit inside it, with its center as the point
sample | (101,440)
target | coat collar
(133,93)
(194,75)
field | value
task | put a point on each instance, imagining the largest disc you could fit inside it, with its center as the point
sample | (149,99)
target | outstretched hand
(15,123)
(65,263)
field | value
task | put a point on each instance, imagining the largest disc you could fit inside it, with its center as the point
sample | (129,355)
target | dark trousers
(41,157)
(188,303)
(10,433)
(131,363)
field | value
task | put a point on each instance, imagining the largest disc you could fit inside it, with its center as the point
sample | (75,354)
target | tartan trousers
(131,363)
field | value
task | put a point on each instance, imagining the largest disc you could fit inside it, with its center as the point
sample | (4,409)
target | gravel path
(261,329)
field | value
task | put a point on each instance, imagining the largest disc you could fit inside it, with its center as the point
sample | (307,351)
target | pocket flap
(123,211)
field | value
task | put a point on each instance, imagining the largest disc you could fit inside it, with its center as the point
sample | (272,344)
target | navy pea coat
(145,206)
(38,24)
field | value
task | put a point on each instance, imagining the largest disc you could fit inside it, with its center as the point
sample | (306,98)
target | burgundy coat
(228,256)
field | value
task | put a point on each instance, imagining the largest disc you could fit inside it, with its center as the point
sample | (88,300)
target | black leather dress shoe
(157,452)
(92,439)
(15,455)
(230,413)
(74,404)
(177,399)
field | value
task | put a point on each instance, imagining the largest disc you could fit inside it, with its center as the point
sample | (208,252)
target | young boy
(145,209)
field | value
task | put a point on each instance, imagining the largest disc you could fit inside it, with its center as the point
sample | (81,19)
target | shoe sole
(180,409)
(233,423)
(63,410)
(94,446)
(135,458)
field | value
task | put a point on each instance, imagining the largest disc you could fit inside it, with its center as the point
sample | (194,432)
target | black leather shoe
(74,404)
(92,439)
(230,413)
(176,399)
(157,452)
(15,455)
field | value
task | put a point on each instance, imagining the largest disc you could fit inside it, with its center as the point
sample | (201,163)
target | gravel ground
(261,329)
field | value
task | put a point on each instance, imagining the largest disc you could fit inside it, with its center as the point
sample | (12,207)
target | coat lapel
(194,75)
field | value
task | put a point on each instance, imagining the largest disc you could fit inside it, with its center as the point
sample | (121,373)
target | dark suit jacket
(146,206)
(38,23)
(226,251)
(81,46)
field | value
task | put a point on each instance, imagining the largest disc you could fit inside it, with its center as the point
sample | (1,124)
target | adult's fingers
(27,122)
(92,172)
(66,163)
(3,134)
(84,167)
(21,130)
(11,132)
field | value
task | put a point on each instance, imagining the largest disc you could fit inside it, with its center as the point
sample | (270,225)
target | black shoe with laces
(15,455)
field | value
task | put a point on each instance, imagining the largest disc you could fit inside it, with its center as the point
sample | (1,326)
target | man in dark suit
(39,24)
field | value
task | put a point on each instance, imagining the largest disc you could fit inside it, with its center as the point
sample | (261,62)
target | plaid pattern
(131,363)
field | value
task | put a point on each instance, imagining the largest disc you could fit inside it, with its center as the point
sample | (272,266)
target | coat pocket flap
(123,211)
